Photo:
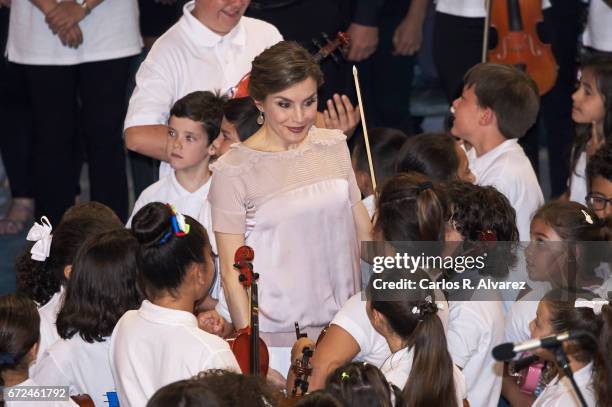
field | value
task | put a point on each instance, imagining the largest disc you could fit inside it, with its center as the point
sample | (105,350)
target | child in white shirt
(103,285)
(498,105)
(44,269)
(161,342)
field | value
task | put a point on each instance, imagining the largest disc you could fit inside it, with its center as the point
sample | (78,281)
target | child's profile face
(601,191)
(544,255)
(467,113)
(542,326)
(588,103)
(463,171)
(227,137)
(187,144)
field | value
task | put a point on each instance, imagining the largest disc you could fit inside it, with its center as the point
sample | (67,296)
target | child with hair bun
(161,342)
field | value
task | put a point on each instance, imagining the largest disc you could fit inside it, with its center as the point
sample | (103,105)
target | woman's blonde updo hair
(280,67)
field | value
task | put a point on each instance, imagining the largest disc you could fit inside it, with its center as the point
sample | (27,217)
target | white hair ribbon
(595,304)
(41,234)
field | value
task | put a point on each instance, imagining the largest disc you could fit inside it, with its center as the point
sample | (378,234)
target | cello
(518,43)
(249,349)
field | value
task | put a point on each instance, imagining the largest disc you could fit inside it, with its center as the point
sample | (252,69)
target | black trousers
(458,47)
(15,115)
(78,108)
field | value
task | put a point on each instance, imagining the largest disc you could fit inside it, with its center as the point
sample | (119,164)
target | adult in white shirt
(598,32)
(210,48)
(161,342)
(68,49)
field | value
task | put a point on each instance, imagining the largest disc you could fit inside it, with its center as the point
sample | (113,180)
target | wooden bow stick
(365,127)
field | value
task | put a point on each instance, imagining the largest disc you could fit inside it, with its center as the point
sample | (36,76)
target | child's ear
(487,117)
(67,271)
(33,352)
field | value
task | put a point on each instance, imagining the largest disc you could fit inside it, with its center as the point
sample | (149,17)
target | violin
(341,42)
(249,349)
(83,400)
(302,368)
(518,43)
(528,372)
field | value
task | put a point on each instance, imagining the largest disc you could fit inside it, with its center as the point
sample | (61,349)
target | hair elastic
(424,185)
(180,227)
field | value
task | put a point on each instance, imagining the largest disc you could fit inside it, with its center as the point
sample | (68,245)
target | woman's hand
(341,114)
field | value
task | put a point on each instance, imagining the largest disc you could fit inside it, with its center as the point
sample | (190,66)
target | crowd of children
(138,316)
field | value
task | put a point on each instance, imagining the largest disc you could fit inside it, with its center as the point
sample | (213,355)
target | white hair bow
(41,234)
(595,304)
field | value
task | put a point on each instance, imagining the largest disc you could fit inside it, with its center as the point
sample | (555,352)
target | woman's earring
(260,118)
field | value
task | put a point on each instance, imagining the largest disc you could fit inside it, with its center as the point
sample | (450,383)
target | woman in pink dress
(289,192)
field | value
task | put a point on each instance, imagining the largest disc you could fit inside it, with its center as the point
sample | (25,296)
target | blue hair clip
(179,226)
(6,359)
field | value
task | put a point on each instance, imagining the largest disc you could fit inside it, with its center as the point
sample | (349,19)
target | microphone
(509,350)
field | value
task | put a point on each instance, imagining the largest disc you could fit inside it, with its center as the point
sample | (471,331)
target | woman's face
(463,172)
(546,257)
(290,114)
(542,326)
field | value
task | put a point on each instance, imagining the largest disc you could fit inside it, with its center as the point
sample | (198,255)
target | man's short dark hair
(510,93)
(204,107)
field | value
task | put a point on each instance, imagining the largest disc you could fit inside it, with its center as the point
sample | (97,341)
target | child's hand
(212,322)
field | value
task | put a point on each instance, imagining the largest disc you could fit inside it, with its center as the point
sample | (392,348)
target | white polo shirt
(598,31)
(48,330)
(474,328)
(373,347)
(508,169)
(398,366)
(468,8)
(560,392)
(83,367)
(190,57)
(155,346)
(111,31)
(578,182)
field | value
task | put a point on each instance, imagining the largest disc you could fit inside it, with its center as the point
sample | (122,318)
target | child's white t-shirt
(398,366)
(155,346)
(578,182)
(598,31)
(507,168)
(48,330)
(32,383)
(474,329)
(560,393)
(83,366)
(468,8)
(522,312)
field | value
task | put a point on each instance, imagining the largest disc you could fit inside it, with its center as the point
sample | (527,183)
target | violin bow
(485,34)
(364,127)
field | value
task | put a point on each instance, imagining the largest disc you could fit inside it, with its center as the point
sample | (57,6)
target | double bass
(249,349)
(518,43)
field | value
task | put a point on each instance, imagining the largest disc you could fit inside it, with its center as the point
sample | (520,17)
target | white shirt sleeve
(152,98)
(223,359)
(353,318)
(462,337)
(49,373)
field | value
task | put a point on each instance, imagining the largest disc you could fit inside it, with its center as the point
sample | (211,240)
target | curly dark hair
(600,164)
(40,280)
(482,213)
(103,286)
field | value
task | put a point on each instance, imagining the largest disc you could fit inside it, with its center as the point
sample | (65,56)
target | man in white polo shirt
(210,48)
